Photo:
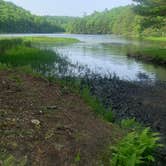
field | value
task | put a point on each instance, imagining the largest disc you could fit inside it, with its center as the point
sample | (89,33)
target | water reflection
(106,58)
(105,54)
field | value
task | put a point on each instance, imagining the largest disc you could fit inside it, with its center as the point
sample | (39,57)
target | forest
(131,20)
(14,19)
(121,21)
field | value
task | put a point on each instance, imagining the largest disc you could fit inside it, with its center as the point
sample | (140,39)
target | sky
(68,7)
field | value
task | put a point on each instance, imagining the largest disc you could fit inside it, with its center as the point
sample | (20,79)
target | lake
(106,54)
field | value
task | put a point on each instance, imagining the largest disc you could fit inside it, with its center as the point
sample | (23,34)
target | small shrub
(109,116)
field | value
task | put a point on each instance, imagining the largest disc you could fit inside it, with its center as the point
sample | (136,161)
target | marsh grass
(23,55)
(7,43)
(162,39)
(50,40)
(157,55)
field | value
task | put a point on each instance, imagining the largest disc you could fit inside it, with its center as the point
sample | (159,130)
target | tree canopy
(151,7)
(14,19)
(121,21)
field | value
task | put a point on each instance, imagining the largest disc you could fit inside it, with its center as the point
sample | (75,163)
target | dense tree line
(14,19)
(122,21)
(150,8)
(61,21)
(145,18)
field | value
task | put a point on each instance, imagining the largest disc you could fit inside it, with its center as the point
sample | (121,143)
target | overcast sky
(68,7)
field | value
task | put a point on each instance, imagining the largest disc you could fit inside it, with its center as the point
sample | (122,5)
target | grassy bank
(162,39)
(155,55)
(51,40)
(57,119)
(41,40)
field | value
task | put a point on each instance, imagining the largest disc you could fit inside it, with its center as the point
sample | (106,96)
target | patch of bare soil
(48,125)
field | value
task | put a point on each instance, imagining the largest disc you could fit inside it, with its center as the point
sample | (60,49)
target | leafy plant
(135,149)
(10,160)
(77,158)
(130,124)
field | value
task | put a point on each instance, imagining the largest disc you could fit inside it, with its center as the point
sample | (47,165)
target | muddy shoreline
(43,123)
(142,100)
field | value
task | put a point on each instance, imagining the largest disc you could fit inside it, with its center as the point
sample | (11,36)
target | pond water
(105,54)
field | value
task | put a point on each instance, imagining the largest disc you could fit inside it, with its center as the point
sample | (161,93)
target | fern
(135,149)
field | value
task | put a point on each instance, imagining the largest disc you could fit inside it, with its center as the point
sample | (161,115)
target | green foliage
(161,39)
(121,21)
(130,124)
(93,102)
(157,55)
(22,55)
(151,7)
(61,21)
(15,19)
(77,158)
(45,40)
(108,115)
(153,12)
(10,160)
(6,44)
(135,149)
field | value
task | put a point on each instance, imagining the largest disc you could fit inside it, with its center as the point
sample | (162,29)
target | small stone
(35,121)
(41,112)
(58,146)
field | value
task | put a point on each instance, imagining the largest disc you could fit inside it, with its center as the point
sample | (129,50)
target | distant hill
(14,19)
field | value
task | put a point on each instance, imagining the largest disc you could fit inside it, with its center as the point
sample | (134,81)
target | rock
(35,121)
(58,146)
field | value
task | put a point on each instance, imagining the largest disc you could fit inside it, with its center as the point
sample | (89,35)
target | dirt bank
(45,124)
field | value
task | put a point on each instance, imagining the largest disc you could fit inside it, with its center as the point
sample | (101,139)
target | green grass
(8,43)
(156,55)
(53,40)
(162,39)
(23,55)
(96,105)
